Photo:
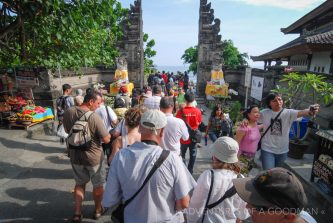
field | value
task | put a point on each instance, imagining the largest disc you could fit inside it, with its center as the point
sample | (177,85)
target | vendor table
(322,168)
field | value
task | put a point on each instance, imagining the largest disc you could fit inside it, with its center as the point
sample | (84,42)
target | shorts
(83,174)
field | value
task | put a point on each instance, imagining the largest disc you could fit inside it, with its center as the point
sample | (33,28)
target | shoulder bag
(117,215)
(195,135)
(107,147)
(259,143)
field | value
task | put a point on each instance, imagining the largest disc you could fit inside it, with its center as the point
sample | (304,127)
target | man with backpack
(86,132)
(64,102)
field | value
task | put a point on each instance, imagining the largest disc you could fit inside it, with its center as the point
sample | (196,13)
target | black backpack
(62,106)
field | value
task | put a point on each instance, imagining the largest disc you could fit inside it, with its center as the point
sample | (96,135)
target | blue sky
(253,25)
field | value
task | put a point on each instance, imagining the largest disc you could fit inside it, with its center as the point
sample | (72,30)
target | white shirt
(152,102)
(174,131)
(156,201)
(276,139)
(227,211)
(101,111)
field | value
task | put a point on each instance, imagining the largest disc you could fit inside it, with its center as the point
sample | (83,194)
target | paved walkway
(36,180)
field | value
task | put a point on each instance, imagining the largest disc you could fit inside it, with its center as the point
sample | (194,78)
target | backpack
(62,106)
(79,137)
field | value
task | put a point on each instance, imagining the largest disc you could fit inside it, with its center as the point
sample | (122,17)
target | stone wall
(50,83)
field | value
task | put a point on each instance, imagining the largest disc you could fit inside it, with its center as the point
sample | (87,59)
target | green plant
(299,88)
(235,115)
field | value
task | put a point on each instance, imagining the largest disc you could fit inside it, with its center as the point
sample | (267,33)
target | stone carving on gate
(210,47)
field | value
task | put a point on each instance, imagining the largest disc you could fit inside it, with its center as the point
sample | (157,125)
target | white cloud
(286,4)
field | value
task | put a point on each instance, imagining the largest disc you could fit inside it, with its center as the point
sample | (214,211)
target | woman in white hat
(214,198)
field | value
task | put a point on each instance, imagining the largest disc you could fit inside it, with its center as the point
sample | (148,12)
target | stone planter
(297,149)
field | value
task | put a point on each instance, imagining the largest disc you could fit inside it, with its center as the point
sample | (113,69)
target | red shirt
(181,83)
(193,118)
(165,78)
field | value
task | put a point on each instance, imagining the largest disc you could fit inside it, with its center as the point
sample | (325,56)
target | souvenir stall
(322,169)
(121,78)
(17,105)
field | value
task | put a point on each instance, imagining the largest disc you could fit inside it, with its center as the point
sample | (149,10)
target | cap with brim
(246,190)
(153,119)
(273,188)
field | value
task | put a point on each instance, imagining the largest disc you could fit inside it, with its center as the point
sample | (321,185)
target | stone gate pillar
(210,49)
(131,46)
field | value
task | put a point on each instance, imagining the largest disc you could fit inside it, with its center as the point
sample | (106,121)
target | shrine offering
(217,86)
(121,78)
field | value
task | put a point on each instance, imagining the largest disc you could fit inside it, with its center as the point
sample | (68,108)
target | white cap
(225,149)
(153,119)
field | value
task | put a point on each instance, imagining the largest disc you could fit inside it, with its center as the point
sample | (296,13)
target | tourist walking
(206,204)
(275,143)
(64,102)
(192,117)
(87,164)
(213,129)
(153,102)
(166,192)
(131,122)
(175,129)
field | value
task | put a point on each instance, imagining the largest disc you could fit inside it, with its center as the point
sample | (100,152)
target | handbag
(259,143)
(117,216)
(195,135)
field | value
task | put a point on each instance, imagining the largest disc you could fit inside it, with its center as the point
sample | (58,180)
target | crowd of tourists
(145,138)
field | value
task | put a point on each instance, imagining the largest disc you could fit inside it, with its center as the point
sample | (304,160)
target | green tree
(232,57)
(148,54)
(190,56)
(53,33)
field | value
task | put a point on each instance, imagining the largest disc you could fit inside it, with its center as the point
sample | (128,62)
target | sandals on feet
(77,218)
(97,215)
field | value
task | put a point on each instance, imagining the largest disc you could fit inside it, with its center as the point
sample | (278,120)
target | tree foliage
(149,53)
(232,57)
(190,56)
(53,33)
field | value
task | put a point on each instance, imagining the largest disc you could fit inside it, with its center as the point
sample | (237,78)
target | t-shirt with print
(276,139)
(193,118)
(93,156)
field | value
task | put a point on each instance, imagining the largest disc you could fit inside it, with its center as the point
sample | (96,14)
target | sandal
(97,215)
(77,218)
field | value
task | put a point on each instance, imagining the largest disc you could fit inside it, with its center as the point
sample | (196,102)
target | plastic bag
(61,132)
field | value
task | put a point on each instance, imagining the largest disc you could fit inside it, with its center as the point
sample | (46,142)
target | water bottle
(206,140)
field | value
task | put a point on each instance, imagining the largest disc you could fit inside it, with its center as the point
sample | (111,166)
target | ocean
(174,69)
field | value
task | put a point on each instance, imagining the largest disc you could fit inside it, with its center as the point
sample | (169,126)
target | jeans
(193,155)
(270,160)
(213,136)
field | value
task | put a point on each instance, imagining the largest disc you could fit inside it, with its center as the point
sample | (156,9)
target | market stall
(322,168)
(17,105)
